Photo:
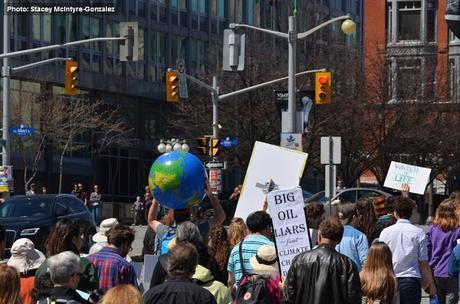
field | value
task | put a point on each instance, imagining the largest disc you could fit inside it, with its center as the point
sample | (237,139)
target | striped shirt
(251,244)
(408,246)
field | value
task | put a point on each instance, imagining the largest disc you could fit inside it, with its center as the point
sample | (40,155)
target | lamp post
(348,27)
(173,144)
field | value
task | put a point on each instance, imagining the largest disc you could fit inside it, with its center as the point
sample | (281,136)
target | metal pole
(291,125)
(215,114)
(6,88)
(331,173)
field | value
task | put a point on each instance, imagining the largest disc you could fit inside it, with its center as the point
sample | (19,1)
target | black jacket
(178,291)
(320,276)
(64,295)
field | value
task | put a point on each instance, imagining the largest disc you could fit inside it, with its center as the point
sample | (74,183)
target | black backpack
(252,289)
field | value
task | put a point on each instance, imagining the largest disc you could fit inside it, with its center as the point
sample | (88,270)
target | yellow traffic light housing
(172,86)
(214,147)
(203,145)
(323,90)
(71,77)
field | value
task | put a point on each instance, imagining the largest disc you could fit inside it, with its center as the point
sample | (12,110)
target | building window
(408,79)
(389,21)
(454,79)
(430,22)
(250,11)
(178,48)
(36,27)
(409,20)
(60,28)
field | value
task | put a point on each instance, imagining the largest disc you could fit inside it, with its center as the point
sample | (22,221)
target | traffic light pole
(292,37)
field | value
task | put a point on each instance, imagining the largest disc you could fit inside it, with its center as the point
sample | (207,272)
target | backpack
(252,289)
(164,241)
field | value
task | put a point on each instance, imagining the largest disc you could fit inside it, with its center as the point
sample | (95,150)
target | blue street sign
(22,131)
(229,142)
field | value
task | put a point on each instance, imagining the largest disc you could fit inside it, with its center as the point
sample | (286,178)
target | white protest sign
(268,162)
(289,225)
(416,177)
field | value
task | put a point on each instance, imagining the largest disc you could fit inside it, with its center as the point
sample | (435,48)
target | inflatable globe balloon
(177,180)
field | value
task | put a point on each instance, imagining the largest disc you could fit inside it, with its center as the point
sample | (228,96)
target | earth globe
(177,180)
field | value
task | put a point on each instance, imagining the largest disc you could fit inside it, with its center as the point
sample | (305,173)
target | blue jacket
(454,262)
(354,245)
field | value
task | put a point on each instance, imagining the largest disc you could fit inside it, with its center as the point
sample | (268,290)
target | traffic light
(323,83)
(203,145)
(172,86)
(129,48)
(71,77)
(214,147)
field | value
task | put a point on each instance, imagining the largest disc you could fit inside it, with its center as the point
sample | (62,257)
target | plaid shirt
(112,269)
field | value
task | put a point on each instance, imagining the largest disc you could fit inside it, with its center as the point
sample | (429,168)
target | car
(33,217)
(347,194)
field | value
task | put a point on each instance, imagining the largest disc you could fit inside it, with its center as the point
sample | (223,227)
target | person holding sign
(323,275)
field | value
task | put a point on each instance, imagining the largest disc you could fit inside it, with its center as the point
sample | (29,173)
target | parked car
(33,217)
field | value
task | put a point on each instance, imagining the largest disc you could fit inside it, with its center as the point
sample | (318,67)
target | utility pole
(215,107)
(6,88)
(292,39)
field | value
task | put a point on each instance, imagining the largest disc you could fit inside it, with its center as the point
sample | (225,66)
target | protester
(354,243)
(366,218)
(442,238)
(219,248)
(122,294)
(237,231)
(84,196)
(66,236)
(2,241)
(265,267)
(42,289)
(148,200)
(96,203)
(409,253)
(259,224)
(323,275)
(385,220)
(378,280)
(44,190)
(9,285)
(138,211)
(26,259)
(314,213)
(64,268)
(179,288)
(165,232)
(148,244)
(100,238)
(110,262)
(187,232)
(75,191)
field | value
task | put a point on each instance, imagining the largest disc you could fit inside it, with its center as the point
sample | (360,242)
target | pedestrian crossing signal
(203,145)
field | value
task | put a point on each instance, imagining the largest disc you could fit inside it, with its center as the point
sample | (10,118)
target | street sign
(229,142)
(292,141)
(183,90)
(22,131)
(331,150)
(217,165)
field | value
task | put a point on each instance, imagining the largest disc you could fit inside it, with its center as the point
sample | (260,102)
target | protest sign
(150,261)
(416,177)
(289,225)
(284,167)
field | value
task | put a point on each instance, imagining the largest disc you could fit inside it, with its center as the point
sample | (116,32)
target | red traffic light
(323,79)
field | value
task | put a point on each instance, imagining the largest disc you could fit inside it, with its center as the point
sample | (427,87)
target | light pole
(6,88)
(348,27)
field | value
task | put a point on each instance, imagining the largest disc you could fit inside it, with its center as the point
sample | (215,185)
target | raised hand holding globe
(177,180)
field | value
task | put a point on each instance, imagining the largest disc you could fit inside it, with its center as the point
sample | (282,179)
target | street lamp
(348,27)
(173,144)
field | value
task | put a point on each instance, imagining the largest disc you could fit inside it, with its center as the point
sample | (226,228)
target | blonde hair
(237,231)
(378,280)
(122,294)
(9,285)
(446,216)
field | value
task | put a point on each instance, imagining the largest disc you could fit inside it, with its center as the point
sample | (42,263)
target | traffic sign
(229,142)
(217,165)
(183,90)
(331,150)
(22,131)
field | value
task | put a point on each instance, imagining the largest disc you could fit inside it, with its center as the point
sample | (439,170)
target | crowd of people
(367,252)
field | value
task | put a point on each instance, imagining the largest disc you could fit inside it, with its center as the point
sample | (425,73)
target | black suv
(33,217)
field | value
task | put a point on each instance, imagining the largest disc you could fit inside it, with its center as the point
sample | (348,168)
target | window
(60,28)
(162,50)
(408,79)
(36,27)
(47,27)
(454,80)
(250,11)
(178,48)
(389,21)
(430,22)
(409,20)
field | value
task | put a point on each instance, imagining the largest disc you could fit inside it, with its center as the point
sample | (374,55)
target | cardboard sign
(284,167)
(416,177)
(289,225)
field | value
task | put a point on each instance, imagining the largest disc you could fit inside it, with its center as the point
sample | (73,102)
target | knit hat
(24,256)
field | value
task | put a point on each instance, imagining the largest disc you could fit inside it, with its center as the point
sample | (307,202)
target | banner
(284,167)
(416,177)
(289,225)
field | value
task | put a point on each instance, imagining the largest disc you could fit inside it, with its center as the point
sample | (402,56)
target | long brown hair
(367,218)
(378,280)
(122,294)
(219,246)
(237,231)
(9,285)
(61,237)
(446,216)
